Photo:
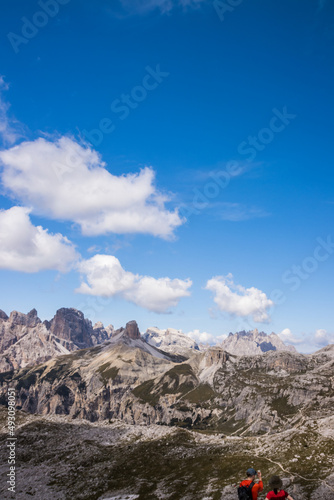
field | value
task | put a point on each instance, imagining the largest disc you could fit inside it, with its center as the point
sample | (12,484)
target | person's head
(275,482)
(251,473)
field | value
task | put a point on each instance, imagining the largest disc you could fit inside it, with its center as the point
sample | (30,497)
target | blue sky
(170,161)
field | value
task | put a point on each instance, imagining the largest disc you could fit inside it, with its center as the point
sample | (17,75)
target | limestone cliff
(254,342)
(126,378)
(25,340)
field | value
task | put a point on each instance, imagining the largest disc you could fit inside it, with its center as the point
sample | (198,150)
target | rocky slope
(171,340)
(60,458)
(25,340)
(254,342)
(126,378)
(125,419)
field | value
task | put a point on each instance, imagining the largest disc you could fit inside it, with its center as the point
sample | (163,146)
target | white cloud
(307,342)
(9,127)
(106,277)
(165,6)
(239,301)
(205,338)
(28,248)
(201,337)
(323,338)
(65,181)
(287,336)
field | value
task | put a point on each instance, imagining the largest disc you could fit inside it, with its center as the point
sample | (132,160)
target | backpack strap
(251,485)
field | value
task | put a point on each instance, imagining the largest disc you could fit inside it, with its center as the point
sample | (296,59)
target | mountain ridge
(26,340)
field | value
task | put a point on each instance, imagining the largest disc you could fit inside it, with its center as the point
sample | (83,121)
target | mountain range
(158,403)
(25,340)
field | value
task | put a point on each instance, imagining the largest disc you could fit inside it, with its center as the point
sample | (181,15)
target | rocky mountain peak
(171,340)
(70,324)
(254,342)
(255,332)
(98,325)
(132,330)
(30,320)
(25,340)
(3,315)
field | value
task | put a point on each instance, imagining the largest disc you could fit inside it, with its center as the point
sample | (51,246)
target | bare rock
(132,330)
(70,324)
(3,315)
(254,342)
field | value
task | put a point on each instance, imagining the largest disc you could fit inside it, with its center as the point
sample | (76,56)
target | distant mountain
(25,340)
(171,340)
(254,342)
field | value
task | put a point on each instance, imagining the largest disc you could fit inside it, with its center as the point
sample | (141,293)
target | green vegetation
(26,376)
(183,369)
(61,368)
(170,382)
(143,392)
(282,407)
(201,394)
(107,372)
(150,391)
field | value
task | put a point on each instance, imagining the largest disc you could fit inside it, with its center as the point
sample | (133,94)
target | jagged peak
(72,310)
(132,330)
(18,318)
(3,315)
(254,342)
(32,313)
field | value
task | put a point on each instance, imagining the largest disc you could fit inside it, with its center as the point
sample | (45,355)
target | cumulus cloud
(65,181)
(28,248)
(308,342)
(323,338)
(106,277)
(239,301)
(165,6)
(201,337)
(205,338)
(288,338)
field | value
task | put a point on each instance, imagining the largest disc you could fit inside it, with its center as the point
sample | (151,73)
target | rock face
(25,340)
(170,340)
(16,326)
(71,325)
(3,315)
(263,410)
(126,378)
(254,342)
(132,330)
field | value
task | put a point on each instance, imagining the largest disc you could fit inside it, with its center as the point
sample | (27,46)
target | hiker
(249,489)
(276,484)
